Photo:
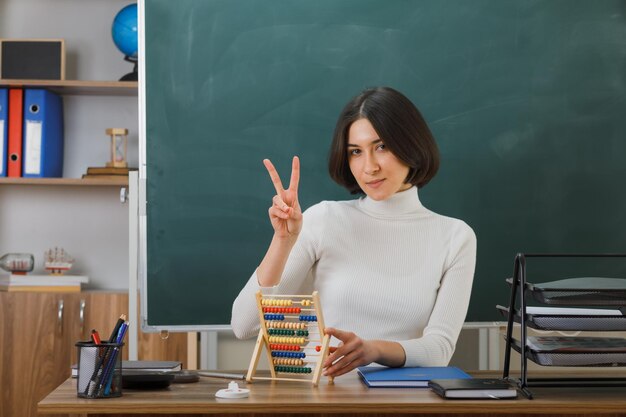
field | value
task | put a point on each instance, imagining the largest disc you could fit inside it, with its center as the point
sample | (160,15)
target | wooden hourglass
(119,147)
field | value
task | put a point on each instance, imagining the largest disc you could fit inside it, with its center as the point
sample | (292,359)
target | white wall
(89,223)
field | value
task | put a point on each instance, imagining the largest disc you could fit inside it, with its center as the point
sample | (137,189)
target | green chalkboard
(527,100)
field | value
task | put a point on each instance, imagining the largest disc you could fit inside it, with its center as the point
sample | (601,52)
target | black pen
(116,329)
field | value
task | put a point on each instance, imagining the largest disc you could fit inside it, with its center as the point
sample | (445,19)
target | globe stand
(131,76)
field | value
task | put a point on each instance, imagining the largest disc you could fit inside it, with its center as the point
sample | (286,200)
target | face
(377,171)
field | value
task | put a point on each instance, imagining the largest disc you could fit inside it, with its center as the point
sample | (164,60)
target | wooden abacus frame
(265,304)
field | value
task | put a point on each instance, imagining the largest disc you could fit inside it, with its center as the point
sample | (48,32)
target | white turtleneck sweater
(387,270)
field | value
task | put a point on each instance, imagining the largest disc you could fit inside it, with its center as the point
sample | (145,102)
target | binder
(43,134)
(4,124)
(14,143)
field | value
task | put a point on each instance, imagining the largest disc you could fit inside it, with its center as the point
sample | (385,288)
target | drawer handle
(60,316)
(81,316)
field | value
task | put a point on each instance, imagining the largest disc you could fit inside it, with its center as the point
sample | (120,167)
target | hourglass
(119,146)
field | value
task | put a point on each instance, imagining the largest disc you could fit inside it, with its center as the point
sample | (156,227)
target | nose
(371,164)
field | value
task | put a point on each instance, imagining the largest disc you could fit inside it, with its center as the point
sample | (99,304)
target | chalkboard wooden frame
(525,100)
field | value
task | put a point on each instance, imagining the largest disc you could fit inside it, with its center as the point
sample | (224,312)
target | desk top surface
(347,395)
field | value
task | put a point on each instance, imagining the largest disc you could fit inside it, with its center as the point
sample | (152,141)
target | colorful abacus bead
(307,318)
(281,354)
(274,316)
(293,369)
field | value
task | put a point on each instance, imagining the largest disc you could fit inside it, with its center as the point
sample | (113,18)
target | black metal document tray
(568,319)
(582,355)
(580,291)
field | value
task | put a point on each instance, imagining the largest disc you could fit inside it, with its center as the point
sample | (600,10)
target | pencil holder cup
(99,370)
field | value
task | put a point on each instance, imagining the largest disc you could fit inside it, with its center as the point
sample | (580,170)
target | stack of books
(107,173)
(48,283)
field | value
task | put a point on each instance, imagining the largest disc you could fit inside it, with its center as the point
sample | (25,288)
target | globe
(124,30)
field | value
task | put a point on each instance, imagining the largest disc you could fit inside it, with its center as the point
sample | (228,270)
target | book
(43,280)
(39,288)
(480,388)
(109,170)
(144,367)
(120,178)
(381,377)
(42,283)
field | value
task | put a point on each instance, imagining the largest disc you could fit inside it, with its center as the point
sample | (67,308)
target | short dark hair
(401,127)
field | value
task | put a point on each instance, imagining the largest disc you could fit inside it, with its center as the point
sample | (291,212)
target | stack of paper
(48,283)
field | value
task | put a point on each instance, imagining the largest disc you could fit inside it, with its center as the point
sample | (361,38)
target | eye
(354,152)
(380,147)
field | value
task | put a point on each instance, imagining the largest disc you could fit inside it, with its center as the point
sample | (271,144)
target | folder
(43,134)
(14,143)
(382,377)
(4,124)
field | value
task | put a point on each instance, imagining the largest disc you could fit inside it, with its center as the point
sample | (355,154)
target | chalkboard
(526,99)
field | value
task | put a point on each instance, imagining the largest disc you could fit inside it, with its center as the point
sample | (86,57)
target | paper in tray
(583,319)
(589,359)
(580,291)
(571,344)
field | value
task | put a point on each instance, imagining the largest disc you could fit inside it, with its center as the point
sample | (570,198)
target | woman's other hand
(353,352)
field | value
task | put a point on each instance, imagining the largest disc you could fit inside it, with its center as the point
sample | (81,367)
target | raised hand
(285,213)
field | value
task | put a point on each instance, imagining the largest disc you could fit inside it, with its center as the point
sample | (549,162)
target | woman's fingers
(278,185)
(276,212)
(277,201)
(344,364)
(295,176)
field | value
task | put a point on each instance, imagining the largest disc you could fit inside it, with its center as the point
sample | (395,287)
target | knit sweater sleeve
(436,346)
(245,317)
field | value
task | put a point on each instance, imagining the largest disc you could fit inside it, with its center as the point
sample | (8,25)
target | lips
(375,184)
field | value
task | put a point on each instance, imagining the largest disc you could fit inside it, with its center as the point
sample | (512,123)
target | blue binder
(42,153)
(4,132)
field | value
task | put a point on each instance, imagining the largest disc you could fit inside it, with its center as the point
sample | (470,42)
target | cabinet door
(36,337)
(101,312)
(102,309)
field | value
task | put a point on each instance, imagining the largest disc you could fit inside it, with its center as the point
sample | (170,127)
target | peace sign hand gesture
(285,213)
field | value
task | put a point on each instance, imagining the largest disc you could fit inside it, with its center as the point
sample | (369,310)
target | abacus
(290,325)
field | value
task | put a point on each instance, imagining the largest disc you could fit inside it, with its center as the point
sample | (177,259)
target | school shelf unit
(81,88)
(569,294)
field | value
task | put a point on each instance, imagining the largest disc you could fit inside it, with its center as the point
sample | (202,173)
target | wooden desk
(347,397)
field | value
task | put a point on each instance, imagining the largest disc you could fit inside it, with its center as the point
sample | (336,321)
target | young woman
(394,277)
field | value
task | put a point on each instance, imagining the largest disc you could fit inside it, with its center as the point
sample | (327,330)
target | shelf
(79,87)
(123,181)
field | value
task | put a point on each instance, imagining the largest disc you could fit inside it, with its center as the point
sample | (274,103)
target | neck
(401,203)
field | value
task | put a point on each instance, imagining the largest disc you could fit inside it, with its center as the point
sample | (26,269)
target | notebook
(473,388)
(380,377)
